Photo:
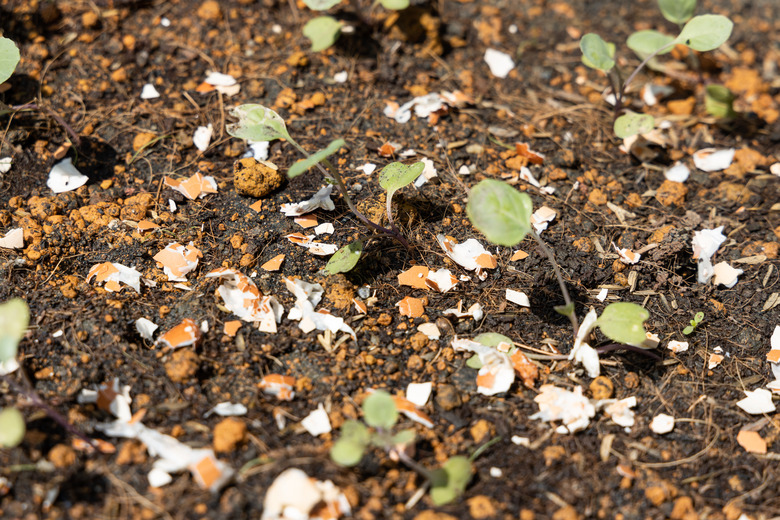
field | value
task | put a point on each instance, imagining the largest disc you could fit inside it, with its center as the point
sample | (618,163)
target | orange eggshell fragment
(386,150)
(257,206)
(101,271)
(231,327)
(361,307)
(524,368)
(411,307)
(205,471)
(518,255)
(715,360)
(414,277)
(773,356)
(408,408)
(184,334)
(751,441)
(273,264)
(193,187)
(204,88)
(523,150)
(283,387)
(146,225)
(306,221)
(486,261)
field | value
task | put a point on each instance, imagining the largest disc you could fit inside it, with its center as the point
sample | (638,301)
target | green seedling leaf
(688,330)
(596,53)
(632,123)
(450,481)
(489,339)
(257,123)
(719,101)
(698,317)
(565,310)
(379,410)
(304,164)
(345,259)
(345,452)
(403,438)
(396,5)
(645,43)
(706,32)
(323,32)
(677,11)
(500,212)
(623,322)
(396,175)
(11,427)
(14,317)
(320,5)
(9,58)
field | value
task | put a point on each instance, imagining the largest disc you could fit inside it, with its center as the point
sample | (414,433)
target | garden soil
(84,65)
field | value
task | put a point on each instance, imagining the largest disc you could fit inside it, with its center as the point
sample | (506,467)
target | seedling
(503,215)
(380,415)
(700,33)
(323,31)
(697,319)
(14,318)
(719,101)
(257,123)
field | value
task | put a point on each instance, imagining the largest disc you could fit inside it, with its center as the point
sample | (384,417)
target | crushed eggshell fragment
(430,330)
(146,328)
(315,248)
(475,311)
(541,218)
(677,173)
(705,243)
(677,346)
(307,296)
(662,424)
(227,409)
(109,397)
(499,63)
(751,441)
(572,408)
(280,386)
(63,177)
(13,239)
(712,159)
(411,307)
(471,255)
(317,422)
(414,277)
(419,393)
(517,297)
(714,360)
(306,221)
(273,264)
(619,410)
(202,137)
(184,334)
(518,255)
(497,372)
(178,260)
(320,200)
(626,255)
(724,274)
(441,280)
(112,274)
(409,409)
(196,186)
(231,327)
(244,299)
(295,496)
(757,402)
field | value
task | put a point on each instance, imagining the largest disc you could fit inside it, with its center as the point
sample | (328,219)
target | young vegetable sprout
(697,319)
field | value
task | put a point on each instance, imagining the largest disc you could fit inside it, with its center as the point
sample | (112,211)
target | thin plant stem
(54,115)
(414,465)
(643,64)
(565,292)
(27,391)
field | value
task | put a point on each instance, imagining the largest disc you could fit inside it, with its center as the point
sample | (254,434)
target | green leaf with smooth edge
(14,317)
(379,410)
(706,32)
(677,11)
(320,5)
(12,427)
(346,452)
(698,317)
(9,58)
(596,53)
(500,212)
(323,32)
(345,258)
(396,175)
(565,310)
(396,5)
(645,43)
(304,164)
(257,123)
(632,123)
(450,481)
(623,322)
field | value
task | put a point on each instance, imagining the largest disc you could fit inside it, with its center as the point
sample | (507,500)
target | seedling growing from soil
(380,415)
(9,58)
(697,319)
(719,101)
(257,123)
(503,215)
(700,33)
(323,31)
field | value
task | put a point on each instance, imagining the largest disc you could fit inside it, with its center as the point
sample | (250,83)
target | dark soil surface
(87,62)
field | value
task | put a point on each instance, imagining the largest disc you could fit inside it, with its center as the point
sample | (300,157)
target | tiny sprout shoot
(14,317)
(395,176)
(719,101)
(597,53)
(677,11)
(321,5)
(352,444)
(305,164)
(345,259)
(9,58)
(697,319)
(623,322)
(323,31)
